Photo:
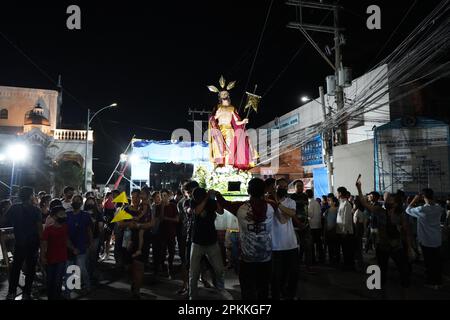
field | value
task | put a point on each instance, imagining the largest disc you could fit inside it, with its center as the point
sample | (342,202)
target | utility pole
(193,112)
(326,142)
(337,66)
(339,93)
(198,124)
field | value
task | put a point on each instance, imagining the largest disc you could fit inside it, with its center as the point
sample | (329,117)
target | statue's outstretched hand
(245,121)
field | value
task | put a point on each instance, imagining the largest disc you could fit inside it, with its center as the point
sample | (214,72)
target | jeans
(55,274)
(332,245)
(188,253)
(359,233)
(347,242)
(118,252)
(81,261)
(168,245)
(433,265)
(254,279)
(181,241)
(285,271)
(212,252)
(317,247)
(29,255)
(157,252)
(371,236)
(359,250)
(221,242)
(93,258)
(305,241)
(234,238)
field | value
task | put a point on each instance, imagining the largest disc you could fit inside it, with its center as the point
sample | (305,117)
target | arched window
(3,114)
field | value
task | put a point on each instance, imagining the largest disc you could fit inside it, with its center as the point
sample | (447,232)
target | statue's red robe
(241,154)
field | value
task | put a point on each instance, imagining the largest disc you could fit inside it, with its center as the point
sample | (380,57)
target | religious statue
(228,141)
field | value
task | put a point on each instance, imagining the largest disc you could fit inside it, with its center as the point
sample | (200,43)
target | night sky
(155,58)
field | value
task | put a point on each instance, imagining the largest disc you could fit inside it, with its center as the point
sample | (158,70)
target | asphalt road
(324,284)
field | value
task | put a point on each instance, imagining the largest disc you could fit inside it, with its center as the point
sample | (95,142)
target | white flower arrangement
(218,178)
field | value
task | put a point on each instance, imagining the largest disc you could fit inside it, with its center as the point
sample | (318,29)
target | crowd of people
(269,236)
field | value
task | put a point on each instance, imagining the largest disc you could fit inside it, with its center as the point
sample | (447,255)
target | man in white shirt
(429,233)
(285,258)
(344,229)
(67,200)
(315,223)
(255,218)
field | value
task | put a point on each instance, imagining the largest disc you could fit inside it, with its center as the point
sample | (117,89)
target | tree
(67,173)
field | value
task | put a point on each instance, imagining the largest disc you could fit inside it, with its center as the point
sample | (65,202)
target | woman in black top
(90,206)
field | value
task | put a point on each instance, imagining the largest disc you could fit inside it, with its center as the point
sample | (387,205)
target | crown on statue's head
(223,85)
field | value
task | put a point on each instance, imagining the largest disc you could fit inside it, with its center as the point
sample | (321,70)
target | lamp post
(15,152)
(305,99)
(89,120)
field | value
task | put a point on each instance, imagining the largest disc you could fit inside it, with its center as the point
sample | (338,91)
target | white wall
(18,101)
(351,160)
(363,87)
(311,113)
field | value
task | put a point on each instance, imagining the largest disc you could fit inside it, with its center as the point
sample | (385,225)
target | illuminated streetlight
(123,157)
(88,122)
(305,99)
(16,153)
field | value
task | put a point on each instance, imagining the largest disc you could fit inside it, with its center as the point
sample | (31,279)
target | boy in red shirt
(55,241)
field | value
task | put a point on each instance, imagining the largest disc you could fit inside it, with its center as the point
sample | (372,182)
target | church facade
(33,117)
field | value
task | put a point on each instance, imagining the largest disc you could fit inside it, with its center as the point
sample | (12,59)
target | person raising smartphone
(392,228)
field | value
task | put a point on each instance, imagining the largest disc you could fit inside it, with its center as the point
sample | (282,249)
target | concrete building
(414,112)
(32,117)
(301,162)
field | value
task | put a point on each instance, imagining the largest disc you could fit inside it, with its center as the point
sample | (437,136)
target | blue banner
(312,153)
(320,176)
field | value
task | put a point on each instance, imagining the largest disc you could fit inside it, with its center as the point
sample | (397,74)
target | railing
(62,134)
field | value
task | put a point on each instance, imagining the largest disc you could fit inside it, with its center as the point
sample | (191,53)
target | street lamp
(123,157)
(16,152)
(89,120)
(305,99)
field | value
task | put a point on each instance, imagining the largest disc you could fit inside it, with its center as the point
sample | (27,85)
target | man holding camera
(429,234)
(204,240)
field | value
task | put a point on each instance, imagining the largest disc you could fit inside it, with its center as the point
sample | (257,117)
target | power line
(256,53)
(300,49)
(395,30)
(408,60)
(137,126)
(53,81)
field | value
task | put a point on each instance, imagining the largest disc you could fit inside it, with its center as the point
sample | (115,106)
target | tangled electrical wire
(423,55)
